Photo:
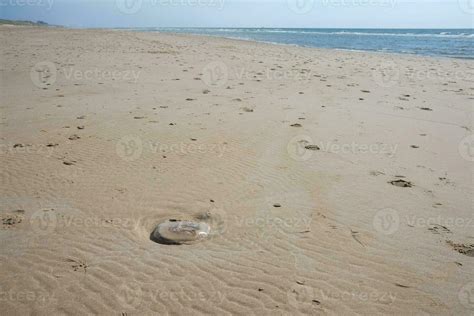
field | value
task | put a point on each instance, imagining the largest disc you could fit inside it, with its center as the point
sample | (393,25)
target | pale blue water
(457,43)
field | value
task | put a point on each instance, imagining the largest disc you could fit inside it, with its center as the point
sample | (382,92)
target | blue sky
(245,13)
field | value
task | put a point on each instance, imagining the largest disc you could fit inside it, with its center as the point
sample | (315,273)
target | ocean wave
(442,43)
(443,34)
(349,33)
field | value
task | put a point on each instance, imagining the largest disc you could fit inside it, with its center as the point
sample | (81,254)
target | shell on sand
(178,232)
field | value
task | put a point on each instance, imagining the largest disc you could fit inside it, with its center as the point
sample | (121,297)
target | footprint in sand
(401,183)
(312,147)
(78,265)
(11,220)
(69,162)
(439,229)
(467,250)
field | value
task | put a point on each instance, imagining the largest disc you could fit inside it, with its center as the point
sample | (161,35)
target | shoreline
(312,47)
(398,54)
(293,45)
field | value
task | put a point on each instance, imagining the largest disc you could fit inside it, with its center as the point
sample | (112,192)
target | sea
(451,43)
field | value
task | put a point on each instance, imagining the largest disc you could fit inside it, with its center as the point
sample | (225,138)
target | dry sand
(130,129)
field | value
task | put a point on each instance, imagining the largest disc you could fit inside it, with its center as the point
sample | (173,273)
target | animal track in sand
(78,265)
(401,183)
(10,220)
(312,147)
(439,229)
(68,162)
(467,250)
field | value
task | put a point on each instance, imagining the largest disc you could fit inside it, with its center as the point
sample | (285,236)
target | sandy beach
(334,182)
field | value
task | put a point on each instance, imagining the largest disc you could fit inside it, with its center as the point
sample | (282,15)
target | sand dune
(289,151)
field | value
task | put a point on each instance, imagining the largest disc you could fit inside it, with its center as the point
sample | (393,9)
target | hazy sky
(245,13)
